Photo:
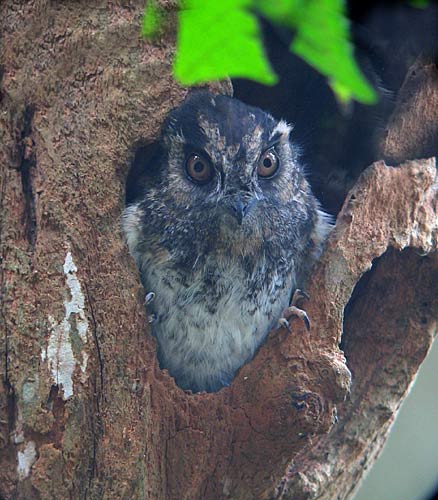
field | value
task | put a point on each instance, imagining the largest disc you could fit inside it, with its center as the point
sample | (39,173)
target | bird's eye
(199,169)
(268,164)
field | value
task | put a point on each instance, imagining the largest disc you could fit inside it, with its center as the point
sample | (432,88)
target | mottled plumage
(221,236)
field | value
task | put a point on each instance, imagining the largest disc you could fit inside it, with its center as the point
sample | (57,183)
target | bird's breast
(212,322)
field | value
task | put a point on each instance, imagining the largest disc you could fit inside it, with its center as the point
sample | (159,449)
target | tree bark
(85,411)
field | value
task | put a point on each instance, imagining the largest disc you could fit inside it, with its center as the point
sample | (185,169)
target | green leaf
(322,40)
(419,4)
(219,39)
(151,21)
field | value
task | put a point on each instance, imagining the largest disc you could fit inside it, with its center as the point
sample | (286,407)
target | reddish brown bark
(80,90)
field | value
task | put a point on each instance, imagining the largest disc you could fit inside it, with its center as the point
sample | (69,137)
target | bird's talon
(295,311)
(283,322)
(299,295)
(149,298)
(306,321)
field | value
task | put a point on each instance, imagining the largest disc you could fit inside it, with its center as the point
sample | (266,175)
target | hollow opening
(143,169)
(335,143)
(388,328)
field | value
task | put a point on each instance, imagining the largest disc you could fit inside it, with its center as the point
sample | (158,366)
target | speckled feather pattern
(221,286)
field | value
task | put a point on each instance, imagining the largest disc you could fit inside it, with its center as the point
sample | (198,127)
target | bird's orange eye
(268,164)
(199,169)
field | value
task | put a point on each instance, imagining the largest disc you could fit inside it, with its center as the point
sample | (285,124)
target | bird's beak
(240,208)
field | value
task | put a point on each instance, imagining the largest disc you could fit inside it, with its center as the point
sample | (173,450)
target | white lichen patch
(59,353)
(26,459)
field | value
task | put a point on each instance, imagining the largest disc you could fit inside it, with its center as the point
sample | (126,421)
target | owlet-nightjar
(223,233)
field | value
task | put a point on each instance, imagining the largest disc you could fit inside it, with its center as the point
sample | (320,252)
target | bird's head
(228,172)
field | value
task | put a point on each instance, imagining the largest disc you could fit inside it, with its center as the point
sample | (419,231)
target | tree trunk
(85,411)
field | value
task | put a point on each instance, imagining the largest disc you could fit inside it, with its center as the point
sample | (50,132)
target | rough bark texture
(85,411)
(413,129)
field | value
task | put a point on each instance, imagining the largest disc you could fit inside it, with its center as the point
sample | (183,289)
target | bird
(223,231)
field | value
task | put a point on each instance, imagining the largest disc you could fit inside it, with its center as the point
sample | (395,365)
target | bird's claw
(149,298)
(283,322)
(293,310)
(299,295)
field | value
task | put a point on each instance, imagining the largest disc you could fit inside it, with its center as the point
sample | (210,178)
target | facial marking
(282,129)
(211,131)
(253,143)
